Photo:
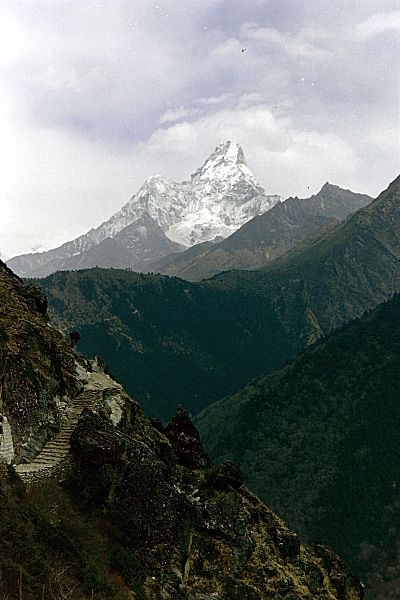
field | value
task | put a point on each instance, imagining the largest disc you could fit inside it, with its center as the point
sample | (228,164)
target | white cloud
(107,70)
(378,24)
(214,100)
(228,49)
(56,186)
(177,114)
(10,40)
(286,160)
(300,45)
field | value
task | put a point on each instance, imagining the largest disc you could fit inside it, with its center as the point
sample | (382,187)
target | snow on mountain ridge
(221,196)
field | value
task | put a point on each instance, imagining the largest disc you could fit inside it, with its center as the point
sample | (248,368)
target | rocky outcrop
(228,476)
(35,298)
(341,576)
(186,441)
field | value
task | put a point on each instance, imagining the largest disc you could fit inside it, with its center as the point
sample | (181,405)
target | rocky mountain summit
(221,196)
(102,503)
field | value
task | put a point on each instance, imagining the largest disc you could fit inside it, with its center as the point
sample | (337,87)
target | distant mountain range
(172,341)
(163,217)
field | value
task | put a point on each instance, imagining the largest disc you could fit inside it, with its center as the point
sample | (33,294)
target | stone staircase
(96,385)
(56,449)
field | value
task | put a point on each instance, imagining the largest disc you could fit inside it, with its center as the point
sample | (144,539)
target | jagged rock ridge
(220,197)
(127,509)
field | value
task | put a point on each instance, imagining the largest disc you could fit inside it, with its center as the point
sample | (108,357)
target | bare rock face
(197,529)
(35,297)
(228,476)
(36,366)
(136,483)
(341,576)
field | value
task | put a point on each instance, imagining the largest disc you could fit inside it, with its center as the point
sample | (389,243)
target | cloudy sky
(96,96)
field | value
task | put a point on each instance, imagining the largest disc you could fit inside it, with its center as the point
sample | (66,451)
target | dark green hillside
(320,440)
(340,271)
(169,341)
(337,273)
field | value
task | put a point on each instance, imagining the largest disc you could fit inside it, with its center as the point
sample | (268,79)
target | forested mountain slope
(319,439)
(169,341)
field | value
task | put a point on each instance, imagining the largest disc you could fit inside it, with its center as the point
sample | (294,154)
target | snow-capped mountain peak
(221,197)
(225,162)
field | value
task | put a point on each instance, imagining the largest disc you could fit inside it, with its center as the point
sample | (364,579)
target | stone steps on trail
(56,449)
(96,386)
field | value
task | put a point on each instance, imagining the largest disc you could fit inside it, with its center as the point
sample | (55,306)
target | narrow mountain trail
(97,387)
